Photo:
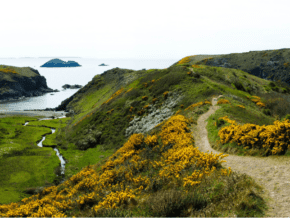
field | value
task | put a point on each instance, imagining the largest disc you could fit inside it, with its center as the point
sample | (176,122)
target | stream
(61,158)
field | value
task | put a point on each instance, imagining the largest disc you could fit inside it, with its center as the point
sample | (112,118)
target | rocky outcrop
(155,116)
(67,86)
(59,63)
(24,82)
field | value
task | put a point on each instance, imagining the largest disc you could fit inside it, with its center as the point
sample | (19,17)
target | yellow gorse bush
(88,115)
(184,60)
(257,100)
(165,94)
(114,95)
(223,101)
(196,66)
(129,90)
(197,104)
(241,106)
(119,178)
(110,111)
(274,138)
(8,70)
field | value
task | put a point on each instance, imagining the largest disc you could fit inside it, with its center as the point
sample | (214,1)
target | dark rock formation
(67,86)
(103,64)
(24,82)
(59,63)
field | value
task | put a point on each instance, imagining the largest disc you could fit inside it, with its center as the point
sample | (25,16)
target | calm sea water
(57,77)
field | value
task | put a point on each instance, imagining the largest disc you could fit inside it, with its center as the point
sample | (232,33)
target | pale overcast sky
(151,29)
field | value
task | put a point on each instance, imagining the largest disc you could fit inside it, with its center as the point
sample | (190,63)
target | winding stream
(61,158)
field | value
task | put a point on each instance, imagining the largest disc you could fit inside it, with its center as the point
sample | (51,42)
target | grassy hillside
(271,65)
(160,172)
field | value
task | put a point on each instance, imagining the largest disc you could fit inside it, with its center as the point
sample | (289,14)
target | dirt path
(272,173)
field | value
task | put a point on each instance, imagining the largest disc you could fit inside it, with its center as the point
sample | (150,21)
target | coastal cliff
(20,82)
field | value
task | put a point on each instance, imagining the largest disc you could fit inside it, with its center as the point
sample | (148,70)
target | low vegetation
(158,173)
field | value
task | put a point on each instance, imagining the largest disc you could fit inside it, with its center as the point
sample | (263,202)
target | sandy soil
(272,172)
(32,113)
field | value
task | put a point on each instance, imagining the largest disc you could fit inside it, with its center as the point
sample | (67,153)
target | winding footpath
(271,173)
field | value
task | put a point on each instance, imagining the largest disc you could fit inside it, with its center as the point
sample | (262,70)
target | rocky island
(59,63)
(19,82)
(103,64)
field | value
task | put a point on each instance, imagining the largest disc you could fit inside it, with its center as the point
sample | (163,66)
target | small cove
(61,158)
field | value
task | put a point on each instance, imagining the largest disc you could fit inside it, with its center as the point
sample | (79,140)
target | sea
(57,77)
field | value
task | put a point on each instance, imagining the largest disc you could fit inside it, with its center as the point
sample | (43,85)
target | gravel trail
(271,173)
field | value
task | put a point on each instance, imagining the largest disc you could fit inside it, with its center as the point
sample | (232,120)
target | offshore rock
(155,116)
(67,86)
(59,63)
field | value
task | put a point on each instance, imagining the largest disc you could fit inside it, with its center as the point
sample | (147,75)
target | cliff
(18,82)
(60,63)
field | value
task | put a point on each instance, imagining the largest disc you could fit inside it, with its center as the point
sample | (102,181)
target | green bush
(287,117)
(276,89)
(238,84)
(173,203)
(220,122)
(267,112)
(272,84)
(196,75)
(91,139)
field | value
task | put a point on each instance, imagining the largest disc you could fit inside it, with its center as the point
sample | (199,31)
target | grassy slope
(251,62)
(212,81)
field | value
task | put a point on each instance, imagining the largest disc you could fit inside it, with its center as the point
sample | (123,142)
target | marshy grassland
(159,173)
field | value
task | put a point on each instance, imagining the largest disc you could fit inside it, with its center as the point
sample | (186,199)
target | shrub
(90,140)
(287,117)
(196,75)
(267,112)
(172,203)
(219,123)
(272,84)
(238,84)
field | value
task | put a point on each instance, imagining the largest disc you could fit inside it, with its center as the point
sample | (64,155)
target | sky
(151,29)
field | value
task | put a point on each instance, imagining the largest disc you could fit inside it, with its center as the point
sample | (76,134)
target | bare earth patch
(271,173)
